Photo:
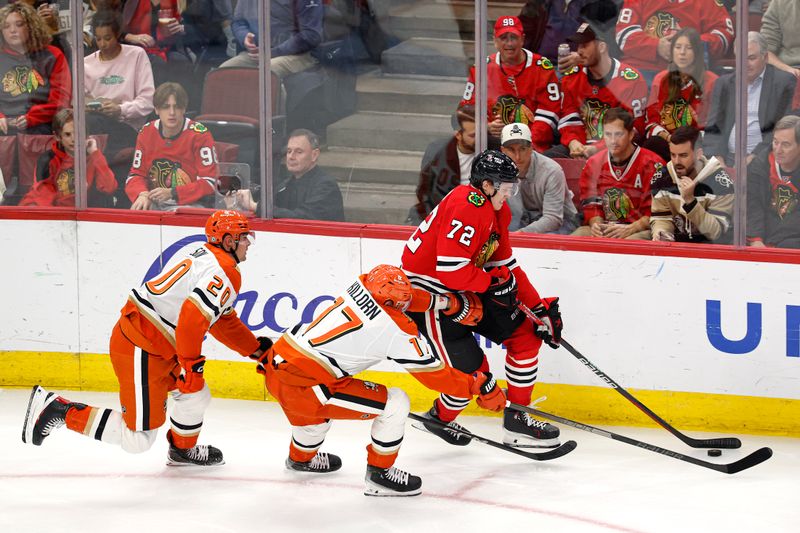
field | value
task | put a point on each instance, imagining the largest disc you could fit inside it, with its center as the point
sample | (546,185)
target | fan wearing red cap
(521,86)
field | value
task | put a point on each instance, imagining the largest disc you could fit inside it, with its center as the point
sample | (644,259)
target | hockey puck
(714,453)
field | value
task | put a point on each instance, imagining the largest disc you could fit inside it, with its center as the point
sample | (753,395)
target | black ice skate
(321,463)
(391,482)
(523,431)
(201,455)
(452,434)
(46,411)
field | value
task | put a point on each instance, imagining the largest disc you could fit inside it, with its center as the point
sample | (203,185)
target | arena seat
(572,171)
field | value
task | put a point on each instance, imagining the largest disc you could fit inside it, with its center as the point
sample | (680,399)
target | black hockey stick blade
(755,458)
(555,453)
(721,442)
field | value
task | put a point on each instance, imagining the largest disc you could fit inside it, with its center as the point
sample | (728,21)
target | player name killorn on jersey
(363,300)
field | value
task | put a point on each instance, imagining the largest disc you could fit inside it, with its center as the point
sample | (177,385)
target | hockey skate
(46,411)
(322,463)
(452,434)
(201,455)
(391,482)
(523,431)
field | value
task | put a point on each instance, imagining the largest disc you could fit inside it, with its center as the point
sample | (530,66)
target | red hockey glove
(465,308)
(503,289)
(549,328)
(490,396)
(191,378)
(262,355)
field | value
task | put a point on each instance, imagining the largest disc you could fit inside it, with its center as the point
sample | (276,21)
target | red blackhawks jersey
(642,23)
(526,93)
(619,193)
(186,163)
(687,110)
(458,240)
(586,101)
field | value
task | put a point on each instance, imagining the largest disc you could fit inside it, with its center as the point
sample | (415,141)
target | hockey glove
(550,324)
(503,289)
(465,308)
(262,355)
(490,396)
(191,378)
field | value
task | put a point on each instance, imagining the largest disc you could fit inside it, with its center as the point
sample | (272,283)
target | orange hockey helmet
(389,286)
(225,222)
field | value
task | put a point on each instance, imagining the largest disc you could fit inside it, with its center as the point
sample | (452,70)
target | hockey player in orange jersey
(155,351)
(309,370)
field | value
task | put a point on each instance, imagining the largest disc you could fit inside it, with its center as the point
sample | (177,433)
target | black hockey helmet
(493,166)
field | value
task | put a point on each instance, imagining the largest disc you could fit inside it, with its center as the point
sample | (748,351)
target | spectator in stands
(615,183)
(118,82)
(544,204)
(779,27)
(445,165)
(521,87)
(54,177)
(295,30)
(308,193)
(693,199)
(36,82)
(589,91)
(547,23)
(646,31)
(174,163)
(769,97)
(680,95)
(208,25)
(773,181)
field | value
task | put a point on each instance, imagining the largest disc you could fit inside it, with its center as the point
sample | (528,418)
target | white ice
(74,484)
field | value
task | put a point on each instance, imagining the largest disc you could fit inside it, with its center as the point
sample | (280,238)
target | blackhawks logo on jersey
(573,70)
(592,113)
(198,127)
(660,23)
(65,182)
(784,200)
(512,109)
(167,174)
(629,74)
(617,205)
(487,250)
(476,199)
(22,79)
(676,114)
(545,63)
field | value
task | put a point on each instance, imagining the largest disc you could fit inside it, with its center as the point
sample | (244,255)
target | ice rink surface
(75,484)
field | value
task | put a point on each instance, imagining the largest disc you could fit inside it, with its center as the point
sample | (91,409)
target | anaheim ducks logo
(784,201)
(476,199)
(659,24)
(65,182)
(592,113)
(676,114)
(511,109)
(167,174)
(22,79)
(617,204)
(487,250)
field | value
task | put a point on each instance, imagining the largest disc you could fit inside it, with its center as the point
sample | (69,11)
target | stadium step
(389,131)
(372,166)
(434,57)
(408,94)
(445,19)
(377,203)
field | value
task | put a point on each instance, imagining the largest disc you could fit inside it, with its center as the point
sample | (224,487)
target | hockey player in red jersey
(155,350)
(174,162)
(645,29)
(463,245)
(615,184)
(590,90)
(521,86)
(309,371)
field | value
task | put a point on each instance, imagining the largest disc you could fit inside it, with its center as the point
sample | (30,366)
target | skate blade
(39,399)
(170,462)
(515,441)
(382,492)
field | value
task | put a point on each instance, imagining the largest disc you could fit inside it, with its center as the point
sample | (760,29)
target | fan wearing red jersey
(521,86)
(309,371)
(590,90)
(645,29)
(174,162)
(155,350)
(463,245)
(615,183)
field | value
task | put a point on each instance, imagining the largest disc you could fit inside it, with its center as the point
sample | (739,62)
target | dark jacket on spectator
(773,216)
(312,196)
(295,25)
(440,174)
(777,89)
(36,85)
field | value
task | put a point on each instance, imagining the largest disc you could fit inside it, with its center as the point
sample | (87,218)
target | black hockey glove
(550,324)
(262,354)
(503,290)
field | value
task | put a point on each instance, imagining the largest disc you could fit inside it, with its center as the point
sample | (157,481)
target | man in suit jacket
(769,97)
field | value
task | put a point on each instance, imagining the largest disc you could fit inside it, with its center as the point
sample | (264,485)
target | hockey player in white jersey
(309,371)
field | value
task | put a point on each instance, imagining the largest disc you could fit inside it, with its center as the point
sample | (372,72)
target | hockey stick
(723,442)
(757,457)
(562,450)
